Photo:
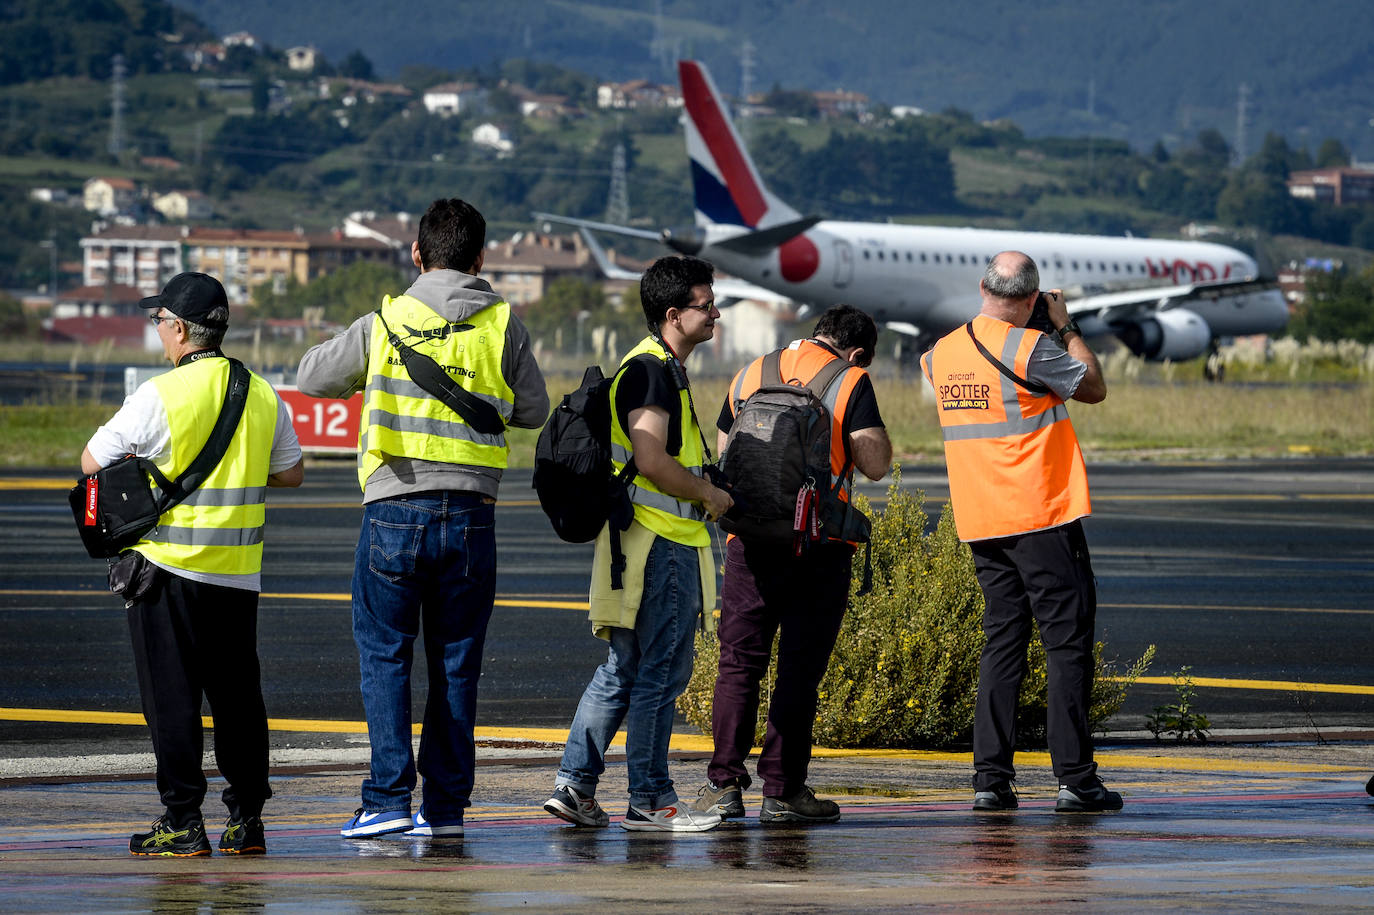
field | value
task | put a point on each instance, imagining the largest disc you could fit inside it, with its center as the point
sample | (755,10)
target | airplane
(1163,299)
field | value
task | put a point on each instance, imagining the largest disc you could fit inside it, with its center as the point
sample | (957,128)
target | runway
(1258,575)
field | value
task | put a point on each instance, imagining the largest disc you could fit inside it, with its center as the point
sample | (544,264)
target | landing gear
(1213,369)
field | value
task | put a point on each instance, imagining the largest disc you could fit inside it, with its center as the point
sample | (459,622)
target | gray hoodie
(338,368)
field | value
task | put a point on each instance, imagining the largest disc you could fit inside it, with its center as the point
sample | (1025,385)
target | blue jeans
(428,558)
(646,670)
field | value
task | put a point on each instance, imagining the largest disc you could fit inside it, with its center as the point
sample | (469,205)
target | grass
(1153,420)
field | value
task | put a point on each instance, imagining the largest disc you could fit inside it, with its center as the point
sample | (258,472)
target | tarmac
(1222,826)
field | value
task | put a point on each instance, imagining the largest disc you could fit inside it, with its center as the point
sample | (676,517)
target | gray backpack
(777,459)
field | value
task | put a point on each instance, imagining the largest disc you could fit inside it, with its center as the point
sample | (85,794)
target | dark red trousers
(766,589)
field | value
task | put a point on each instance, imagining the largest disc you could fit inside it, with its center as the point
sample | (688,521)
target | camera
(717,478)
(1040,315)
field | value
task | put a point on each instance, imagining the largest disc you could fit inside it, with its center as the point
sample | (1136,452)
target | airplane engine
(1176,334)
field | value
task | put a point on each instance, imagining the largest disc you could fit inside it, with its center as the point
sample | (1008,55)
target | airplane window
(1059,265)
(1128,269)
(880,255)
(1073,264)
(908,257)
(961,258)
(923,257)
(1101,266)
(865,255)
(949,258)
(1116,268)
(1088,264)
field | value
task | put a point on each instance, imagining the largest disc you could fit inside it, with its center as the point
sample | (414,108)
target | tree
(1339,306)
(1332,154)
(564,299)
(1253,197)
(357,66)
(796,103)
(342,295)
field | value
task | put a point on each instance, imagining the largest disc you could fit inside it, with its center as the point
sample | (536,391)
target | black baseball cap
(191,296)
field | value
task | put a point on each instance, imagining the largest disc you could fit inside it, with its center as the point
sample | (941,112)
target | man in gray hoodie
(429,473)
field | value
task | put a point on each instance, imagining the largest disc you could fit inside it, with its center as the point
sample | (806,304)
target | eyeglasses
(706,308)
(158,319)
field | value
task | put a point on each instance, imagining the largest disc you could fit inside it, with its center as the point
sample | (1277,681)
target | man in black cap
(192,600)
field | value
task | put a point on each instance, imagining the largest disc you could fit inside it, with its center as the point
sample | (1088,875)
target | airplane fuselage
(928,275)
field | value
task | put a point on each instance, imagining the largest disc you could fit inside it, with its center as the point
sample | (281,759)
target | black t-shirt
(644,382)
(862,413)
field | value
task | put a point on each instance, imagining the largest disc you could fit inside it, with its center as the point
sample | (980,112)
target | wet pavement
(1215,827)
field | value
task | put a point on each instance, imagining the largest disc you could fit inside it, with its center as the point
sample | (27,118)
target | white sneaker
(423,827)
(679,817)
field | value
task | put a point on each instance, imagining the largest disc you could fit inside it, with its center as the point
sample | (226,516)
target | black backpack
(573,474)
(777,459)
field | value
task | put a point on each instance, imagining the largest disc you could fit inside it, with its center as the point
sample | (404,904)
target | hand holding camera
(1049,312)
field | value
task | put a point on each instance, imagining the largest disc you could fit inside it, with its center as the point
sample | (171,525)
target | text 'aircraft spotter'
(1163,299)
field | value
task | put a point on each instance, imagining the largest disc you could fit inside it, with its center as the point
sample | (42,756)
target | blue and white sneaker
(375,823)
(440,829)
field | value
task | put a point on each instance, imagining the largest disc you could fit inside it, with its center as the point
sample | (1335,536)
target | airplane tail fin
(725,184)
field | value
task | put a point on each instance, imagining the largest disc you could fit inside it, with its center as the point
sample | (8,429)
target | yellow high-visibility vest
(401,420)
(218,528)
(668,516)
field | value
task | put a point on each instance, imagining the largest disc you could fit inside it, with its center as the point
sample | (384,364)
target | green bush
(904,672)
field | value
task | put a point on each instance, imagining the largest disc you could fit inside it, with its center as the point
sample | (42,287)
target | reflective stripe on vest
(402,420)
(218,528)
(1013,459)
(675,519)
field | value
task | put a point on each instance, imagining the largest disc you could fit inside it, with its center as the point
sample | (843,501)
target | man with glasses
(769,586)
(669,575)
(193,607)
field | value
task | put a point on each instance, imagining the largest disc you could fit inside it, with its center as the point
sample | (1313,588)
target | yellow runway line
(22,483)
(1161,761)
(1240,608)
(1345,689)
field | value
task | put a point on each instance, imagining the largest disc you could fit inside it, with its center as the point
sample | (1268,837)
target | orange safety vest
(799,362)
(1013,459)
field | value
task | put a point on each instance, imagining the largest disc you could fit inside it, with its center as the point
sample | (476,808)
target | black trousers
(767,588)
(1046,577)
(194,641)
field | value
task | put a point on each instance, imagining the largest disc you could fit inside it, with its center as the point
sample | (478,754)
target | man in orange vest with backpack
(789,573)
(1019,492)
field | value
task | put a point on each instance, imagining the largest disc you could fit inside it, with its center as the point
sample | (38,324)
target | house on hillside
(455,98)
(1338,186)
(495,137)
(144,257)
(243,259)
(396,232)
(841,103)
(638,93)
(537,105)
(180,206)
(108,196)
(302,58)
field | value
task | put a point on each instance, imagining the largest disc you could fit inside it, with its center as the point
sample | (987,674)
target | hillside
(1134,72)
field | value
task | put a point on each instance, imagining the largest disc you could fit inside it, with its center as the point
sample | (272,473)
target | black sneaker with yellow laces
(243,836)
(166,841)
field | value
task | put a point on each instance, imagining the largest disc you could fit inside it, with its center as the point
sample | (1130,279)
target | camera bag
(116,506)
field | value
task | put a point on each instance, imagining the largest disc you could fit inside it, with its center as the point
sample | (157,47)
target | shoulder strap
(212,452)
(425,372)
(822,380)
(1028,385)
